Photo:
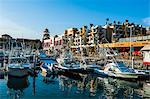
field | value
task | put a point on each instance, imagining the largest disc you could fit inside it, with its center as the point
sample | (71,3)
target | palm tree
(55,38)
(107,19)
(118,23)
(91,25)
(114,22)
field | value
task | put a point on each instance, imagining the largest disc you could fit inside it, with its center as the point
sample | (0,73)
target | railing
(133,39)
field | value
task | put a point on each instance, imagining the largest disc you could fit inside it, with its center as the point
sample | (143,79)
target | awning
(146,48)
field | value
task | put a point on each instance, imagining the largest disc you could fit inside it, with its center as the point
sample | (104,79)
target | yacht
(117,68)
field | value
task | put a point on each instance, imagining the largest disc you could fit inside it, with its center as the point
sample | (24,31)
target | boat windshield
(123,68)
(18,60)
(1,54)
(68,61)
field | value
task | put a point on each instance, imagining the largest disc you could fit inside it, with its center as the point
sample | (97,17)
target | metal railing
(133,39)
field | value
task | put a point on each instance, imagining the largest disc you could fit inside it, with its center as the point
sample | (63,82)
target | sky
(29,18)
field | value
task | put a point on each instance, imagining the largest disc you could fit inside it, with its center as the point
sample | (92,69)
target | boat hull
(16,72)
(130,76)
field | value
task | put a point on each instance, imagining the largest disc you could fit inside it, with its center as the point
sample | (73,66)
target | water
(72,87)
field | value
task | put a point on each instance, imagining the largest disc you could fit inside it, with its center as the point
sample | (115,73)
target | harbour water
(77,86)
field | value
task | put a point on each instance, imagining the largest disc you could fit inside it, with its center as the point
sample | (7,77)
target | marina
(71,86)
(48,77)
(74,49)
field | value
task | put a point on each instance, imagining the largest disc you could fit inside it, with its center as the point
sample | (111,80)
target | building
(30,43)
(52,43)
(69,36)
(58,39)
(6,42)
(124,37)
(48,45)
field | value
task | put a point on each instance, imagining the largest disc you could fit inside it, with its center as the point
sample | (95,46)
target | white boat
(66,62)
(117,69)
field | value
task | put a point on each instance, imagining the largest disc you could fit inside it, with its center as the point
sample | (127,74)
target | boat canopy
(49,61)
(42,54)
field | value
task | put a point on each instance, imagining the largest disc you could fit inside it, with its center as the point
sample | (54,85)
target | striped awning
(146,48)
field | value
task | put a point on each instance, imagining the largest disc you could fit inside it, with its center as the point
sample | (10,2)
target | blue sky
(28,18)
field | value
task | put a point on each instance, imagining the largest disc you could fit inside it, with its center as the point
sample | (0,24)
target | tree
(119,22)
(55,38)
(107,19)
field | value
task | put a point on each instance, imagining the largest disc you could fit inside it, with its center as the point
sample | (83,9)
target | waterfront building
(6,42)
(48,45)
(30,43)
(51,43)
(58,39)
(69,37)
(126,38)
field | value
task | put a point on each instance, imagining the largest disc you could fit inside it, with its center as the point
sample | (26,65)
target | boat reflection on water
(115,88)
(73,86)
(16,86)
(93,86)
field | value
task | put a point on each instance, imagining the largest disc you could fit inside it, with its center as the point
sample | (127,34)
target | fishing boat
(43,56)
(16,87)
(119,70)
(116,68)
(67,62)
(18,66)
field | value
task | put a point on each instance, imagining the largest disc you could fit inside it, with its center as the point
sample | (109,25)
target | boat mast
(4,56)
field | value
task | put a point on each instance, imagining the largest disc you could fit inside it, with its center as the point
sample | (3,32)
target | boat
(119,70)
(47,65)
(67,62)
(116,68)
(18,66)
(16,87)
(43,56)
